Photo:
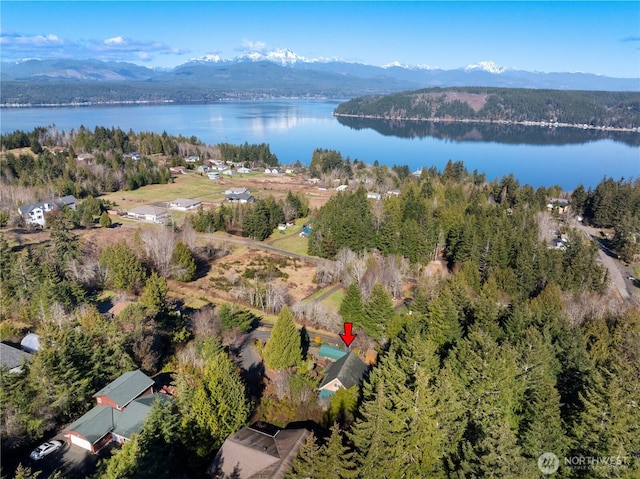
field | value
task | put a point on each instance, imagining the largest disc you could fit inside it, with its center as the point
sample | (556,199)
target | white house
(34,213)
(342,187)
(273,171)
(184,204)
(228,172)
(149,213)
(192,159)
(374,196)
(244,170)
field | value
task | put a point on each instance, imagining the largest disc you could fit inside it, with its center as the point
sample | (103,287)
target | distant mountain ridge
(552,108)
(279,73)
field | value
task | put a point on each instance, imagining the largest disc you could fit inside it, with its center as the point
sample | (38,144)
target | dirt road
(612,264)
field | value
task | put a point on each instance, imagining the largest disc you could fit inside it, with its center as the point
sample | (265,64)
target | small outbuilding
(31,343)
(331,352)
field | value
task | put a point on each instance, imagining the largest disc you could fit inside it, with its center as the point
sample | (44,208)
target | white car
(45,449)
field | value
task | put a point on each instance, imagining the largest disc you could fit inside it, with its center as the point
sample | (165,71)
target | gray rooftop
(253,453)
(11,357)
(148,210)
(126,388)
(349,370)
(67,200)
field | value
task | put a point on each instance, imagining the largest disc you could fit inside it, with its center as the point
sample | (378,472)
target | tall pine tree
(284,347)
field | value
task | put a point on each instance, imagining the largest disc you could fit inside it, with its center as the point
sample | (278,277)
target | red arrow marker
(347,337)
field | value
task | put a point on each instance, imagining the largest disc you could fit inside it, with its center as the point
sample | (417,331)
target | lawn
(636,270)
(185,186)
(290,240)
(332,301)
(198,187)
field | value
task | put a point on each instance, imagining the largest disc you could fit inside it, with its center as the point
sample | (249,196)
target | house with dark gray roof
(239,198)
(12,358)
(34,213)
(346,372)
(261,451)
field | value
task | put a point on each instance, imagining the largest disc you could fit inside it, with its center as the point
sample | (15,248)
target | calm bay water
(294,128)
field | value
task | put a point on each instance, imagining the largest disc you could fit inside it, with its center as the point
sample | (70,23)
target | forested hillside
(595,109)
(494,344)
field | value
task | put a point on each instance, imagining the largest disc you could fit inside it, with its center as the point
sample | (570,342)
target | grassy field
(185,186)
(194,186)
(332,301)
(290,240)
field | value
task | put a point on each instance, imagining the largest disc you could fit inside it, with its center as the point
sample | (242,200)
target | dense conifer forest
(594,109)
(494,347)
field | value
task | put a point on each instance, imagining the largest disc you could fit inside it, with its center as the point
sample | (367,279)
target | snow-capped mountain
(487,66)
(278,73)
(283,57)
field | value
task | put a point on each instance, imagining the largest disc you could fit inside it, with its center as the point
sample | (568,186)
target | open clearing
(211,192)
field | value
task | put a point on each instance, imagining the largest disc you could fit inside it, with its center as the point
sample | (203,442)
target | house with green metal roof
(123,406)
(331,352)
(346,372)
(131,419)
(125,389)
(93,430)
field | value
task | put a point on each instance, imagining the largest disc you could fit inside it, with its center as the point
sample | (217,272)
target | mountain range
(279,73)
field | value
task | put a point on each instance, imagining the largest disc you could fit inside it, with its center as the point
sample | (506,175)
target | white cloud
(17,46)
(115,41)
(251,46)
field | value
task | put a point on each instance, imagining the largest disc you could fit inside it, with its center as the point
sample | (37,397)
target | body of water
(295,128)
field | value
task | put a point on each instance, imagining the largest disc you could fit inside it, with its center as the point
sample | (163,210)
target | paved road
(617,279)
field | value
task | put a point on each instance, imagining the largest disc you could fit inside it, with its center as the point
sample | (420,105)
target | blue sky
(596,37)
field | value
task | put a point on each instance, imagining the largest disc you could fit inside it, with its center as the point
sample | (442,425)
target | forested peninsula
(584,109)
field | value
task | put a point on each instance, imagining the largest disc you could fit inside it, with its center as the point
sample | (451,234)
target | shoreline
(550,124)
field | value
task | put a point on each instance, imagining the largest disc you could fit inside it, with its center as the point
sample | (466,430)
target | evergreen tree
(309,461)
(381,430)
(124,270)
(378,311)
(212,400)
(493,392)
(183,264)
(339,460)
(352,307)
(154,294)
(443,327)
(284,347)
(105,220)
(541,426)
(609,423)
